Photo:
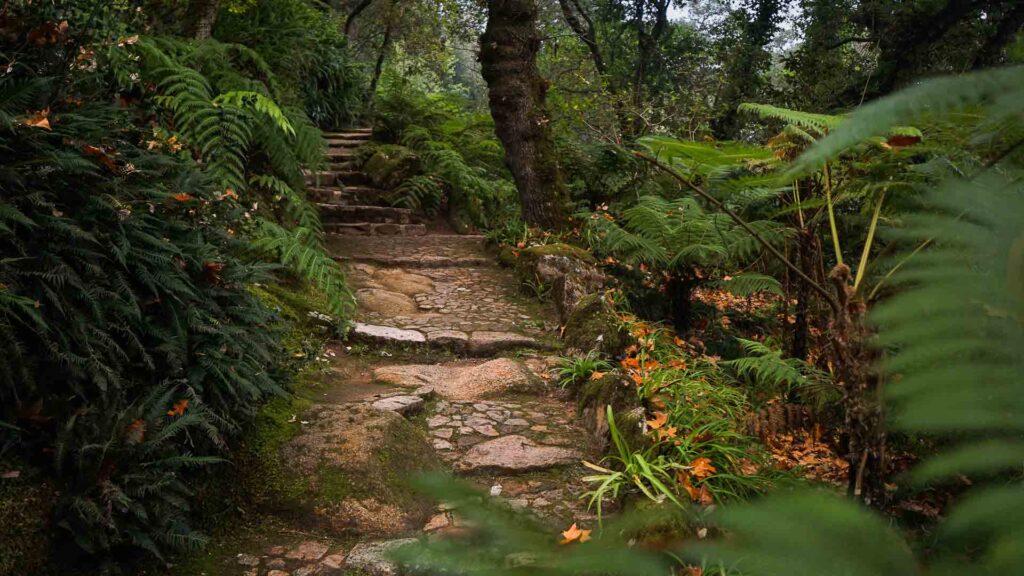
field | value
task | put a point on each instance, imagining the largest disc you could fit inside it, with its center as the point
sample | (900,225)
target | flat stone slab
(387,334)
(404,404)
(515,454)
(482,343)
(386,302)
(455,340)
(457,381)
(372,557)
(308,551)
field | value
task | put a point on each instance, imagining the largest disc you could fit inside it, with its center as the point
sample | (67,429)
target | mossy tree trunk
(206,17)
(516,91)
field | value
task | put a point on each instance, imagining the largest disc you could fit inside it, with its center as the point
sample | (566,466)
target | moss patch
(593,325)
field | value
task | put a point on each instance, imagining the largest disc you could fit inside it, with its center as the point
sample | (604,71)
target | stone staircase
(349,203)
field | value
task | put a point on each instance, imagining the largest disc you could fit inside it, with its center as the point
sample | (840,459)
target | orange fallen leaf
(183,197)
(702,468)
(179,408)
(575,534)
(40,119)
(660,418)
(684,479)
(666,433)
(595,375)
(136,431)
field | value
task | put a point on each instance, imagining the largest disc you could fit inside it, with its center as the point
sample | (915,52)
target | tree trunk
(363,5)
(378,68)
(516,92)
(206,17)
(581,24)
(680,295)
(861,389)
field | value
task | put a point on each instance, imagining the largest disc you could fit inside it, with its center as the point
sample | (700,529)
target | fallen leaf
(898,141)
(666,433)
(575,534)
(136,431)
(595,375)
(660,418)
(40,119)
(183,197)
(702,468)
(179,408)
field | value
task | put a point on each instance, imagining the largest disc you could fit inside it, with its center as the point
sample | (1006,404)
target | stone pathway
(497,421)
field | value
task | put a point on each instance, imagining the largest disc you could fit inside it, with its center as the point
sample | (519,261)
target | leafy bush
(140,178)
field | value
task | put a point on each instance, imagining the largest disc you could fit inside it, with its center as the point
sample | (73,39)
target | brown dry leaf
(40,119)
(660,418)
(575,534)
(666,433)
(179,408)
(136,431)
(684,479)
(702,468)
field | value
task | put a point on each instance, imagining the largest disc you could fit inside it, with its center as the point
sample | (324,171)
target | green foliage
(768,371)
(573,372)
(459,159)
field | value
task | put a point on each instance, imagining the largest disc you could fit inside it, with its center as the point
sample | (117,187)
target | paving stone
(276,551)
(277,573)
(277,564)
(443,445)
(308,551)
(461,381)
(372,557)
(483,342)
(386,334)
(487,430)
(517,422)
(438,420)
(515,454)
(456,340)
(404,405)
(444,433)
(248,560)
(307,571)
(333,562)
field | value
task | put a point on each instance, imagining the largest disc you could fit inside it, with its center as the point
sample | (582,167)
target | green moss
(593,325)
(25,505)
(390,164)
(557,249)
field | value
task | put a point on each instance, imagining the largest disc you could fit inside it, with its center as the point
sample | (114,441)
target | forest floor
(447,370)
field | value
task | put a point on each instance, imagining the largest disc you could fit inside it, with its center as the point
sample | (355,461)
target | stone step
(478,344)
(349,135)
(341,213)
(375,229)
(345,142)
(419,262)
(340,154)
(363,195)
(354,178)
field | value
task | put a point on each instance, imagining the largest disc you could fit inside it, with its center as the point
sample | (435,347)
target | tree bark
(861,385)
(363,5)
(378,68)
(647,48)
(206,17)
(516,93)
(582,25)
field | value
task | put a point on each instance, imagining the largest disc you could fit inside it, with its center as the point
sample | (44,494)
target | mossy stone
(593,325)
(390,165)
